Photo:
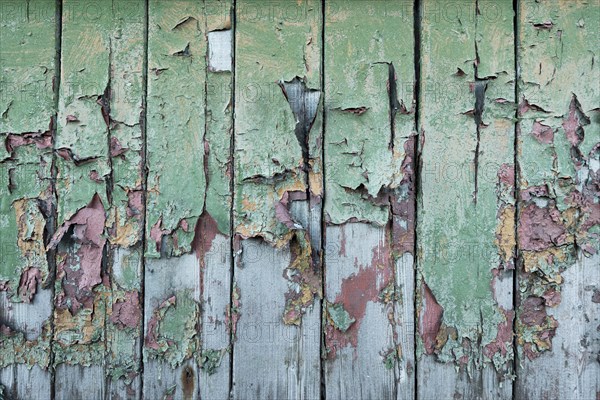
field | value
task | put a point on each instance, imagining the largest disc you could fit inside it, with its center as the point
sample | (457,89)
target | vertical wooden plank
(176,187)
(559,151)
(99,143)
(465,233)
(27,114)
(83,168)
(369,207)
(277,163)
(125,226)
(214,247)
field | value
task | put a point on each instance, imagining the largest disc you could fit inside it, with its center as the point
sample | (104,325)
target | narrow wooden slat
(176,187)
(214,247)
(278,187)
(83,165)
(369,208)
(27,108)
(465,234)
(559,151)
(124,326)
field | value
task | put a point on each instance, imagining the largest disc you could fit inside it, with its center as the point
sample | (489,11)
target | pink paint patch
(126,312)
(540,228)
(151,340)
(81,265)
(542,133)
(28,284)
(504,337)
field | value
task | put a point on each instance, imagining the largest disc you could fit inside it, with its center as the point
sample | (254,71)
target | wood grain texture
(369,152)
(277,164)
(215,248)
(233,199)
(466,200)
(175,124)
(559,142)
(27,108)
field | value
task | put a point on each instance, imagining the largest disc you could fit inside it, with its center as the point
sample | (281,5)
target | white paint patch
(219,51)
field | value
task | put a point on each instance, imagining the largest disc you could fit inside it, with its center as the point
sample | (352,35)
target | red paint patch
(116,149)
(204,234)
(504,337)
(506,174)
(356,110)
(41,140)
(358,290)
(151,340)
(430,318)
(135,204)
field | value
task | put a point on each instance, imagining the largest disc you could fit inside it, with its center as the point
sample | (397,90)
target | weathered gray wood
(278,185)
(175,197)
(19,380)
(125,324)
(558,141)
(369,159)
(465,228)
(284,359)
(214,248)
(216,349)
(78,382)
(358,268)
(571,370)
(28,69)
(172,285)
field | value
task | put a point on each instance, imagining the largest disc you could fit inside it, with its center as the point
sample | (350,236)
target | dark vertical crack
(394,103)
(417,12)
(233,12)
(54,174)
(516,261)
(143,125)
(323,224)
(480,87)
(304,103)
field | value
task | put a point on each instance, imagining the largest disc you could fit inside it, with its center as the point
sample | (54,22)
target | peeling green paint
(339,317)
(264,174)
(559,156)
(26,111)
(172,330)
(467,113)
(368,73)
(211,360)
(176,83)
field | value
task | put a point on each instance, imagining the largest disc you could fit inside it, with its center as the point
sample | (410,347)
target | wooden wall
(299,199)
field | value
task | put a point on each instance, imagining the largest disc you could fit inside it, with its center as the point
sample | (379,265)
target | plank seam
(417,9)
(517,130)
(233,13)
(143,120)
(323,224)
(54,174)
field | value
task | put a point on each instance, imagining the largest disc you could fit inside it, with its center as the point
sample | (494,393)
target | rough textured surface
(559,214)
(369,157)
(27,115)
(219,199)
(466,199)
(277,196)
